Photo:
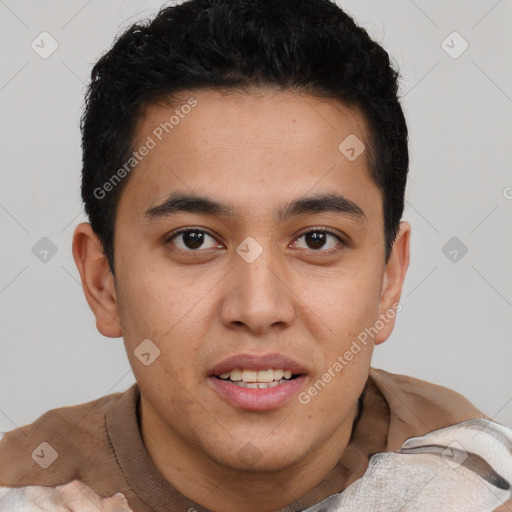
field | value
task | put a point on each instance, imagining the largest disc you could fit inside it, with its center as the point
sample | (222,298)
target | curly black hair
(310,46)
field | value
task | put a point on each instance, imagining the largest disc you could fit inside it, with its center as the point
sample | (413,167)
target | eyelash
(340,240)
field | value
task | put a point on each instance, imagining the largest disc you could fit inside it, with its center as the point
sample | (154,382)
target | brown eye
(193,239)
(319,240)
(315,239)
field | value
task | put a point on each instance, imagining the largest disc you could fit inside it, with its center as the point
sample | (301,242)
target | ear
(392,281)
(97,280)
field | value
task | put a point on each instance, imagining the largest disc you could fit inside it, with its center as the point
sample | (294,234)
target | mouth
(258,379)
(257,382)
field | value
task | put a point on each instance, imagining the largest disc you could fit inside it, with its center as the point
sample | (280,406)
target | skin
(255,151)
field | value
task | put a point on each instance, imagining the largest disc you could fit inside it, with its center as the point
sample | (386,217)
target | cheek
(166,310)
(343,303)
(331,396)
(153,301)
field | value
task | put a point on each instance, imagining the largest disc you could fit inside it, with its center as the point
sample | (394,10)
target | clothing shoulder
(61,444)
(417,406)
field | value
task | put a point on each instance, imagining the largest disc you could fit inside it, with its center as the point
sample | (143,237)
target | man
(244,168)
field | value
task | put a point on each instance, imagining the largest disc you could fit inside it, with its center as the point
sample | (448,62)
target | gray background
(456,323)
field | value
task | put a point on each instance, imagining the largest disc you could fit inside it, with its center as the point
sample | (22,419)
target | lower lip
(257,399)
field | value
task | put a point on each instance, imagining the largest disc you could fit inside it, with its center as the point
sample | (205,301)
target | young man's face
(261,286)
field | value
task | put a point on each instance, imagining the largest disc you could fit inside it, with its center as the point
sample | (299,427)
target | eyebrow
(178,202)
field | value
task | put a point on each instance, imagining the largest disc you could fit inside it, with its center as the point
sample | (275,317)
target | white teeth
(250,376)
(260,385)
(278,374)
(265,376)
(235,375)
(265,385)
(261,379)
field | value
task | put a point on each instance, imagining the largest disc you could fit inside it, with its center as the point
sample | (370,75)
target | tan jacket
(99,443)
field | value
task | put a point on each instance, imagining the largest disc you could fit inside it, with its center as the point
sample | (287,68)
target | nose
(258,299)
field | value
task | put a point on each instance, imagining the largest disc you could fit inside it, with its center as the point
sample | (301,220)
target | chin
(266,464)
(260,457)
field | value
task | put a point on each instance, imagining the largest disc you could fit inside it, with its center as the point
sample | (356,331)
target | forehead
(253,148)
(266,116)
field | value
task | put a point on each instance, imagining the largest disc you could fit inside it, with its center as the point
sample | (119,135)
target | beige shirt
(100,444)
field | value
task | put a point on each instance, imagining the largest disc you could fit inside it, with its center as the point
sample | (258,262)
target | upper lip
(257,362)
